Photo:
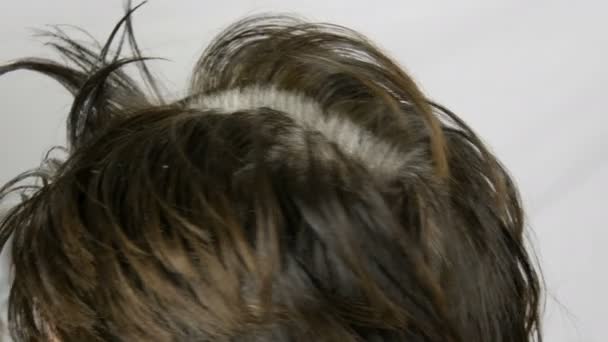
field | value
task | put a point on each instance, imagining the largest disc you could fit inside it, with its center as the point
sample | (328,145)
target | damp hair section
(304,189)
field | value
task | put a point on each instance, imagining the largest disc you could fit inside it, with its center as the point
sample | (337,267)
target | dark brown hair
(304,190)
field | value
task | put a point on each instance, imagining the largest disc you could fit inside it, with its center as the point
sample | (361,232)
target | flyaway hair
(304,189)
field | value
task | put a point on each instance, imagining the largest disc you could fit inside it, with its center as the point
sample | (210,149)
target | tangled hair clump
(304,190)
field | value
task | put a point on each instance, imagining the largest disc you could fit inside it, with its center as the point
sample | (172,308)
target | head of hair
(303,189)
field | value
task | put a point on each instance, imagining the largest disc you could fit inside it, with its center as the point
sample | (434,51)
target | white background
(529,76)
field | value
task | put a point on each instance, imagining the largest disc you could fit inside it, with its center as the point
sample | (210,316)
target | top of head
(305,189)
